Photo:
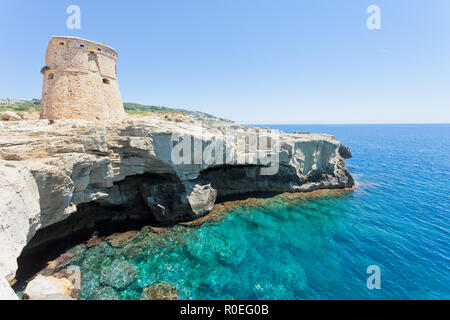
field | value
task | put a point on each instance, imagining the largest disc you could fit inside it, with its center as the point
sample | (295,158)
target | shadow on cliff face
(90,219)
(124,213)
(153,200)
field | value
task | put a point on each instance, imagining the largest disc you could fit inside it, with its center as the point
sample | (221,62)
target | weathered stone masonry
(80,81)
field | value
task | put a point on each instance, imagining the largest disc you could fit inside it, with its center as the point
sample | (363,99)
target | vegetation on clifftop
(33,106)
(135,108)
(24,110)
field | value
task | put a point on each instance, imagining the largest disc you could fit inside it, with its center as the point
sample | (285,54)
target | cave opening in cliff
(91,219)
(127,208)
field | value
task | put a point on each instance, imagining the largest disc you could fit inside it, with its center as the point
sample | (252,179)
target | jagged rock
(10,116)
(119,275)
(201,198)
(170,201)
(345,152)
(160,291)
(64,285)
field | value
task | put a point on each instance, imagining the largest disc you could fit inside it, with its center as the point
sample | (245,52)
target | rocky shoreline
(81,266)
(75,174)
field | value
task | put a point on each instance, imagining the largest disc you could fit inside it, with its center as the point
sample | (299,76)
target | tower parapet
(80,81)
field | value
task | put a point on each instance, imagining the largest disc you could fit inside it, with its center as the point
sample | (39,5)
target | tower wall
(80,81)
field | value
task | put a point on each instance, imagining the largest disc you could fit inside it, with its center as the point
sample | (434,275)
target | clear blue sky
(259,61)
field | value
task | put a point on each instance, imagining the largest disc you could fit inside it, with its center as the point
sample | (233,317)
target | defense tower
(80,81)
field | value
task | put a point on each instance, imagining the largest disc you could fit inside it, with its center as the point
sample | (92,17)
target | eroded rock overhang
(47,171)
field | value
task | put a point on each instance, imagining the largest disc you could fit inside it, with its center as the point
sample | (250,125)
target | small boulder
(345,152)
(119,275)
(160,291)
(64,285)
(172,201)
(10,116)
(201,198)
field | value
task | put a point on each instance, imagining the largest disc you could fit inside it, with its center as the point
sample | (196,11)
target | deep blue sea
(398,218)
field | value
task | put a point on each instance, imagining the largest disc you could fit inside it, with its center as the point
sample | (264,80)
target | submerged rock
(89,284)
(160,291)
(119,275)
(265,290)
(105,293)
(95,260)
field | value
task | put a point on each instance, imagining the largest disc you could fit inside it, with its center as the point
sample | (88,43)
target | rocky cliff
(51,170)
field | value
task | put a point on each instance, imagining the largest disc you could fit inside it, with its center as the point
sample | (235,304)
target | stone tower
(80,81)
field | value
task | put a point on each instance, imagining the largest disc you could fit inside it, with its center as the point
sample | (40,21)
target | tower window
(99,49)
(92,56)
(106,81)
(82,45)
(61,43)
(50,76)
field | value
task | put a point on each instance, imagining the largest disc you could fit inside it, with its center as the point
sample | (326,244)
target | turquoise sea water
(397,218)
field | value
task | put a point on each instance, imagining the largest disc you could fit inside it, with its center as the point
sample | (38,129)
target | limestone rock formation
(20,214)
(50,171)
(6,292)
(345,152)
